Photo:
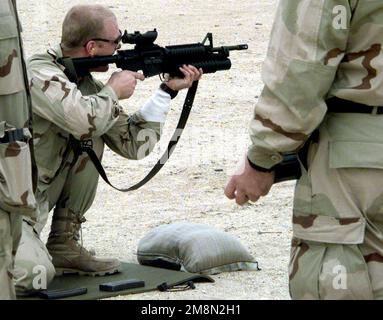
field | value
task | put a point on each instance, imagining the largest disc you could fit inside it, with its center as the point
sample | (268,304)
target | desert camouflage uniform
(337,249)
(16,182)
(87,110)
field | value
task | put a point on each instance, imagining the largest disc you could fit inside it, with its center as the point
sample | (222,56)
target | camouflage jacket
(12,89)
(318,49)
(16,158)
(87,110)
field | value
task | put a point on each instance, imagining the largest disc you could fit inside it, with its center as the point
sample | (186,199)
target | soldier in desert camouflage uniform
(16,178)
(324,73)
(88,111)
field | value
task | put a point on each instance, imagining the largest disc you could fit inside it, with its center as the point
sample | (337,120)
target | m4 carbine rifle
(153,59)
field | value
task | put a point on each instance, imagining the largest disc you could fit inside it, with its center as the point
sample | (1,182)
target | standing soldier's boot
(70,256)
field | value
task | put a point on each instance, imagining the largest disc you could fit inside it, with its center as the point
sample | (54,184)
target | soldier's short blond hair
(82,23)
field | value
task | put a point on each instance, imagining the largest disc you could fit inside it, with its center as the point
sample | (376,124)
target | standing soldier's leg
(372,251)
(33,265)
(328,271)
(34,270)
(17,167)
(337,250)
(76,198)
(10,232)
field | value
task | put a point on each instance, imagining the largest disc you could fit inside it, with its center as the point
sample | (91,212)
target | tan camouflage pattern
(33,264)
(88,110)
(338,204)
(16,187)
(315,272)
(10,234)
(338,207)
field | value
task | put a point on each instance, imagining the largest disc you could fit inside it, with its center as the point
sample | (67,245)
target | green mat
(152,277)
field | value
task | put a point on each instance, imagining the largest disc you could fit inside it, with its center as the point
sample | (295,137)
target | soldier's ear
(90,48)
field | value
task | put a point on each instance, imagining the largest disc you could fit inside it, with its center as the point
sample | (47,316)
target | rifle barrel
(231,48)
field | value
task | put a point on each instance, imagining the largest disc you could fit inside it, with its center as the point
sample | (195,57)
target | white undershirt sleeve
(157,107)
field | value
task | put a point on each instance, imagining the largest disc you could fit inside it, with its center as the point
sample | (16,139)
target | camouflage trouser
(16,200)
(10,233)
(74,189)
(337,249)
(33,267)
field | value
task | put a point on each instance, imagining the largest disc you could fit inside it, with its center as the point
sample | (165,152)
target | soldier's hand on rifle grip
(191,74)
(124,82)
(248,184)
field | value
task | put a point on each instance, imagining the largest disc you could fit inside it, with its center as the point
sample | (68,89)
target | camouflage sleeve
(58,100)
(135,136)
(304,52)
(132,136)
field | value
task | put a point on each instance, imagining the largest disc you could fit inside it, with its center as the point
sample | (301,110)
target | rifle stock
(288,169)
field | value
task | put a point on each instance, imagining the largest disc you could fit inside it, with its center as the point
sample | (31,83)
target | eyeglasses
(116,41)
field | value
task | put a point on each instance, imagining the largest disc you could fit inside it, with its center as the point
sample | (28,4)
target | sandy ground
(190,187)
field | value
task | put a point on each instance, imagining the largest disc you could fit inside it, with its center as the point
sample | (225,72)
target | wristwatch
(164,87)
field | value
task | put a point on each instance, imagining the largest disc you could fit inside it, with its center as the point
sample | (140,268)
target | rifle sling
(188,104)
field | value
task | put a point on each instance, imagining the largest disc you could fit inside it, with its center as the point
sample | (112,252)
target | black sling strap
(78,147)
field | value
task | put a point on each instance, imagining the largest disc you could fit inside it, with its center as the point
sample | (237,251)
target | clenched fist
(248,184)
